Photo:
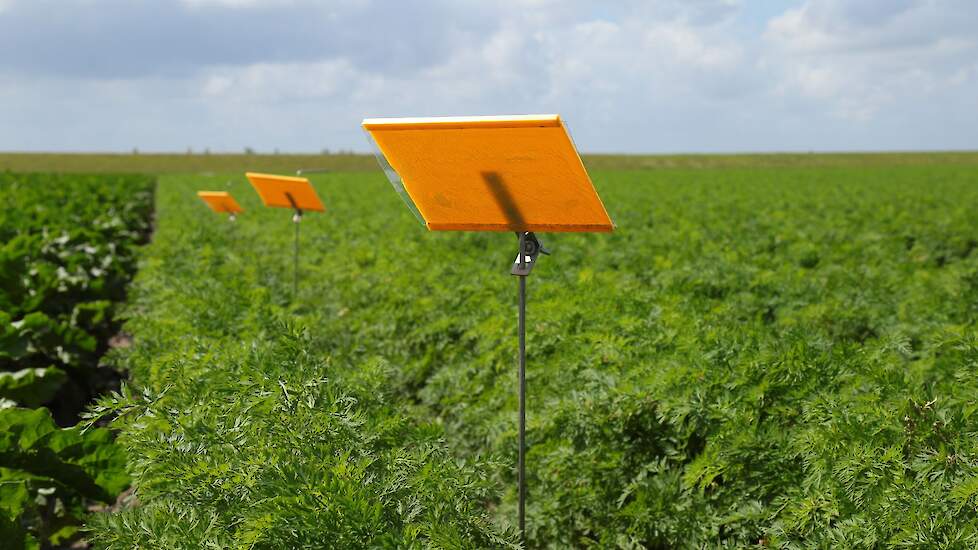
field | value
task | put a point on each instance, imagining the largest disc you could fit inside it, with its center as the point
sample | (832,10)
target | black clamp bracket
(526,258)
(297,217)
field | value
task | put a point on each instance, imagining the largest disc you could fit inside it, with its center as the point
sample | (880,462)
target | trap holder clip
(526,257)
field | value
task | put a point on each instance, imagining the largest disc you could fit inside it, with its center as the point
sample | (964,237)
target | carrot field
(775,353)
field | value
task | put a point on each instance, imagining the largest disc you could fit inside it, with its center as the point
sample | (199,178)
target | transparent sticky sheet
(393,177)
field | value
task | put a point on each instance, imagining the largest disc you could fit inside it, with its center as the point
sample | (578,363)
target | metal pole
(296,218)
(522,330)
(522,471)
(295,258)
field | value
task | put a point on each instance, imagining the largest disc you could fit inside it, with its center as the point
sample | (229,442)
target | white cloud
(839,27)
(282,82)
(217,85)
(865,59)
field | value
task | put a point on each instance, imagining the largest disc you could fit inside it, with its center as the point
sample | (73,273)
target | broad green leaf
(89,463)
(31,387)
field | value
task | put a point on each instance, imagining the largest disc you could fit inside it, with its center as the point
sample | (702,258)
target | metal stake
(522,472)
(296,218)
(530,248)
(295,257)
(302,171)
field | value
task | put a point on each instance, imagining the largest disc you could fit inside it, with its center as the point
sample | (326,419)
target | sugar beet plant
(66,253)
(772,357)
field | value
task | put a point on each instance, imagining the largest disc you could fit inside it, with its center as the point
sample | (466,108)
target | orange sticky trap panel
(278,190)
(220,201)
(506,173)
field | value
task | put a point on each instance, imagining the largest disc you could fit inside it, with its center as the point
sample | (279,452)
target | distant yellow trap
(221,202)
(286,192)
(505,173)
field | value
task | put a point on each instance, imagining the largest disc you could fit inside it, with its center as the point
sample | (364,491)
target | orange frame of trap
(502,173)
(286,192)
(221,202)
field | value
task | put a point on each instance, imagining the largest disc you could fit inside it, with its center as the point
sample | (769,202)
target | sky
(642,76)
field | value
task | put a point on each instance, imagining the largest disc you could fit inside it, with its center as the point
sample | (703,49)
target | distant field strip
(288,163)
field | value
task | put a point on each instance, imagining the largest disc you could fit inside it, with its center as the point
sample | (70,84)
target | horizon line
(341,152)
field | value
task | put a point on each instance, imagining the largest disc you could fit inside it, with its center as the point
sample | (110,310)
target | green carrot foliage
(774,357)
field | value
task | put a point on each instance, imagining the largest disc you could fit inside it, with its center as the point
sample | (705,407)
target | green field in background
(153,163)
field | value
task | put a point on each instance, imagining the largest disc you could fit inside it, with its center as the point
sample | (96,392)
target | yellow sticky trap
(220,201)
(285,192)
(507,173)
